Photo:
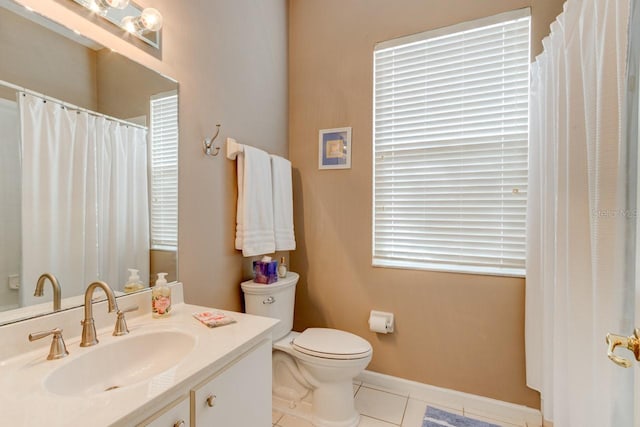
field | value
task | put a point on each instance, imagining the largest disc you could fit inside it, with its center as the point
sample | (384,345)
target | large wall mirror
(88,166)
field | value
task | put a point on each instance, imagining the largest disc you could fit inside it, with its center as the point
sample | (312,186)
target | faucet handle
(121,323)
(58,348)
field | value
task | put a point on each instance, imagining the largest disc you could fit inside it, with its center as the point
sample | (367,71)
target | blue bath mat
(438,418)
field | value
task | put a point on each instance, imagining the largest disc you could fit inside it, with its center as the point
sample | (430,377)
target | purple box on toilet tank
(265,272)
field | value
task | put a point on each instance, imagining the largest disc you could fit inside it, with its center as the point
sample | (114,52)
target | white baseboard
(469,404)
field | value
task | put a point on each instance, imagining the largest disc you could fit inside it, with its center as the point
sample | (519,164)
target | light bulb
(98,7)
(129,24)
(151,19)
(117,4)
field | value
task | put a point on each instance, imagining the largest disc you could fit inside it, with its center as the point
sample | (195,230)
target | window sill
(164,248)
(449,268)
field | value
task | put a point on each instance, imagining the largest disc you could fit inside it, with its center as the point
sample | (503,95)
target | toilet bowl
(321,362)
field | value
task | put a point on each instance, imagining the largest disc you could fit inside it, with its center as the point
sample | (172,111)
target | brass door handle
(631,343)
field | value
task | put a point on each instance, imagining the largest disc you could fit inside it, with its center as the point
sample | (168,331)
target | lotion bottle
(133,283)
(282,269)
(161,297)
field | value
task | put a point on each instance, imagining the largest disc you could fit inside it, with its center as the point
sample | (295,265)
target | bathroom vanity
(165,372)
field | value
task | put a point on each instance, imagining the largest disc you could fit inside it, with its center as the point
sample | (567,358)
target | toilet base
(324,423)
(333,405)
(304,410)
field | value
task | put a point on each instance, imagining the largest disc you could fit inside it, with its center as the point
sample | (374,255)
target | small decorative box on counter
(265,271)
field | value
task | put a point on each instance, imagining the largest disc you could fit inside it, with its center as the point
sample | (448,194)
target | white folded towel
(254,217)
(282,204)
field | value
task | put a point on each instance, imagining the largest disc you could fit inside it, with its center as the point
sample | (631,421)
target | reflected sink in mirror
(121,363)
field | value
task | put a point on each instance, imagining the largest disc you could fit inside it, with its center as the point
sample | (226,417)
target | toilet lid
(331,344)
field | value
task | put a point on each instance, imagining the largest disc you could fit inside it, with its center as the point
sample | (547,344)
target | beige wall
(60,68)
(230,58)
(162,262)
(126,98)
(462,332)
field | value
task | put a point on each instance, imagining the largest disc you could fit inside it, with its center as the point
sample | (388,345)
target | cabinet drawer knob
(211,400)
(180,423)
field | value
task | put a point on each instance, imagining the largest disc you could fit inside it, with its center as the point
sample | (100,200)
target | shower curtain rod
(70,106)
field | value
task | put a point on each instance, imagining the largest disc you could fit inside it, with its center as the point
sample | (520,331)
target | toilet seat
(331,344)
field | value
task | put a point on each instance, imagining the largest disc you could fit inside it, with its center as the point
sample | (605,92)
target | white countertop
(25,401)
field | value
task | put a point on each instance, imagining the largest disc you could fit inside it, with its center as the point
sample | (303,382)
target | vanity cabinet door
(237,396)
(178,414)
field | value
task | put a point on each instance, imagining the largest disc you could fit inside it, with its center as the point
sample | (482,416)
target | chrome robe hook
(207,144)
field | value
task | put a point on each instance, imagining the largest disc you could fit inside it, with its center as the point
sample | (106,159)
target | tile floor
(382,408)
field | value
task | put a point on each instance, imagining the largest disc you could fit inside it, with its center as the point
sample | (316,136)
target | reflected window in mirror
(164,183)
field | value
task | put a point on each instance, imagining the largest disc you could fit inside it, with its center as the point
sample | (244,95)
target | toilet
(319,362)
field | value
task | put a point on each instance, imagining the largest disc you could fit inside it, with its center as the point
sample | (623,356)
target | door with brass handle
(631,343)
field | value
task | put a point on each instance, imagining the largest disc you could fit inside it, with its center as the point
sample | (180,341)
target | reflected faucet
(88,327)
(56,289)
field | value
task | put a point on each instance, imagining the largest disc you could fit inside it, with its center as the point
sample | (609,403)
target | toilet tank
(275,300)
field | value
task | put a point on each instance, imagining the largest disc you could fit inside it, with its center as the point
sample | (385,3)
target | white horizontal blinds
(450,150)
(164,171)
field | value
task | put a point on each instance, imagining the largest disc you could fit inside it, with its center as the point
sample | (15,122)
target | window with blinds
(164,171)
(451,146)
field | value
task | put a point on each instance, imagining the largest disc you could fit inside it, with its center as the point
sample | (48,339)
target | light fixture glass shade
(151,19)
(117,4)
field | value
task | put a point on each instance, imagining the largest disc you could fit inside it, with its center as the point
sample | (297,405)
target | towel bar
(207,144)
(233,149)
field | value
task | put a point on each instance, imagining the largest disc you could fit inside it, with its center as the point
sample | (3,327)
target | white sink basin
(120,363)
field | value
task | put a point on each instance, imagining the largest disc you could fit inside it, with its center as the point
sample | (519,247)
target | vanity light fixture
(145,23)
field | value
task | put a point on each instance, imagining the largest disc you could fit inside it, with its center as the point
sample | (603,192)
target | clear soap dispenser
(161,297)
(133,283)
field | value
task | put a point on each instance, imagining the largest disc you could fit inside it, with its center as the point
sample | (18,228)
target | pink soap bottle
(161,297)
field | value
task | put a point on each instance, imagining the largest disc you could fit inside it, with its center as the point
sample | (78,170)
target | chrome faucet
(88,327)
(56,289)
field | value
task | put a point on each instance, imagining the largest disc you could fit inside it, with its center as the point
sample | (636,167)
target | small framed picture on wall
(334,148)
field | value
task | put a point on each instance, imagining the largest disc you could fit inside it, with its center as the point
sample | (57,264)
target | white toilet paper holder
(388,321)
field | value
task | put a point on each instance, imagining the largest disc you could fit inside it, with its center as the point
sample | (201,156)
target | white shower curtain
(577,217)
(84,198)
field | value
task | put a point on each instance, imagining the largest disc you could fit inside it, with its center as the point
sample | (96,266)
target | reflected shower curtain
(123,202)
(84,198)
(578,218)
